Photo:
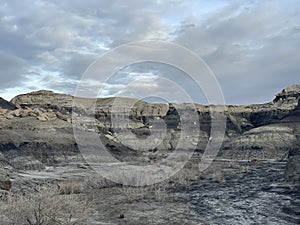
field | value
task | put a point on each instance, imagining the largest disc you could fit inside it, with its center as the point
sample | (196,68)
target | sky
(252,47)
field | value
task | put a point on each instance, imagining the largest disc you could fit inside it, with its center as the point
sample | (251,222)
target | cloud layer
(251,46)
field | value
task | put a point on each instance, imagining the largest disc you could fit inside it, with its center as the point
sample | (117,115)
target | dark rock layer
(6,104)
(42,127)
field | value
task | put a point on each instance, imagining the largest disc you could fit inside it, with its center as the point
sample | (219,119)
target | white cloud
(252,46)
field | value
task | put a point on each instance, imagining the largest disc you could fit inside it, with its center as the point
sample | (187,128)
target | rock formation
(293,167)
(275,136)
(6,105)
(38,127)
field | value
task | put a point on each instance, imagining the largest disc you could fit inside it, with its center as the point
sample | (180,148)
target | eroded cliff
(38,127)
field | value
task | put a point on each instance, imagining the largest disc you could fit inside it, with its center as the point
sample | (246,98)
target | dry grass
(185,178)
(143,188)
(70,187)
(181,181)
(97,182)
(45,207)
(158,192)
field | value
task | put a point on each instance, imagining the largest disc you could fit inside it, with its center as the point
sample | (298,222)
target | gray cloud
(77,64)
(66,36)
(252,46)
(12,70)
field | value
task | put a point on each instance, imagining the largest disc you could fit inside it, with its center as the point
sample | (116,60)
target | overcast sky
(251,46)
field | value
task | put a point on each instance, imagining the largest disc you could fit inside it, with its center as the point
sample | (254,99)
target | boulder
(9,116)
(61,116)
(42,118)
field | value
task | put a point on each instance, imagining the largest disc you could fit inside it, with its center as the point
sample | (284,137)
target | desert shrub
(44,207)
(70,187)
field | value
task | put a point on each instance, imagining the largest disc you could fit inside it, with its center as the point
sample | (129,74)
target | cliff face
(43,99)
(239,118)
(289,95)
(40,123)
(274,130)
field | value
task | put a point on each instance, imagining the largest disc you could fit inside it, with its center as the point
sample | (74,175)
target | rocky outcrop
(289,95)
(6,105)
(40,114)
(38,132)
(275,134)
(267,142)
(42,125)
(239,118)
(44,99)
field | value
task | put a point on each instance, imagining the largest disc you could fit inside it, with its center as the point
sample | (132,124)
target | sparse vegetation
(45,207)
(70,187)
(157,192)
(97,182)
